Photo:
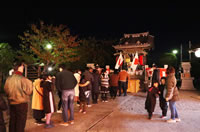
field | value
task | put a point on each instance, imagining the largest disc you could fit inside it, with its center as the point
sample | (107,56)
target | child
(83,95)
(48,100)
(151,99)
(163,103)
(3,107)
(104,86)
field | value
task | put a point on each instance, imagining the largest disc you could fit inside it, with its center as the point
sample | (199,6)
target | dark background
(170,26)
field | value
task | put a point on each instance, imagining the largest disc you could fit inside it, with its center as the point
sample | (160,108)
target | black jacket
(150,102)
(96,83)
(3,106)
(89,77)
(65,80)
(82,90)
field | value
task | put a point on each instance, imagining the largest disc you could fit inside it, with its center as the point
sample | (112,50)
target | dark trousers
(18,115)
(38,114)
(60,100)
(104,96)
(83,105)
(95,96)
(163,106)
(123,85)
(113,91)
(3,128)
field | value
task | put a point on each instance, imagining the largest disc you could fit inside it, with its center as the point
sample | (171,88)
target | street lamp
(48,46)
(175,52)
(50,68)
(197,52)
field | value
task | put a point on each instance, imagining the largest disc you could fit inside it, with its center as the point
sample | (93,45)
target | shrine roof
(137,39)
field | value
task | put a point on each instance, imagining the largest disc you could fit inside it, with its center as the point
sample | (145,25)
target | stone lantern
(187,80)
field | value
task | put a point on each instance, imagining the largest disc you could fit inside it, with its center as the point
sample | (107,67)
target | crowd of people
(79,88)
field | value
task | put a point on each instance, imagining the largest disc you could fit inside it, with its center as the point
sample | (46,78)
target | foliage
(6,57)
(35,41)
(168,59)
(95,51)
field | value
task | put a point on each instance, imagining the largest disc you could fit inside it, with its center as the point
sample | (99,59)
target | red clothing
(114,80)
(123,76)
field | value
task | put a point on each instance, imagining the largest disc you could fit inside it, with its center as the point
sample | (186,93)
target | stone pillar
(187,80)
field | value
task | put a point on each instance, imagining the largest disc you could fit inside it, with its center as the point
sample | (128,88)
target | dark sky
(170,26)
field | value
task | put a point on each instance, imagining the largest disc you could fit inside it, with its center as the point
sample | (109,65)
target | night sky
(170,26)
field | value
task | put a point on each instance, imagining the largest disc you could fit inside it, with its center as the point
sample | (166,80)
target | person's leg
(2,128)
(81,106)
(120,87)
(165,107)
(48,118)
(111,92)
(48,121)
(71,105)
(88,99)
(97,96)
(106,96)
(150,115)
(65,95)
(176,113)
(12,122)
(124,87)
(60,100)
(172,109)
(114,92)
(93,97)
(84,106)
(21,116)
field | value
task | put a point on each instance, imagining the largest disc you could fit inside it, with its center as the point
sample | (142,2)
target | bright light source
(50,68)
(197,52)
(175,51)
(49,46)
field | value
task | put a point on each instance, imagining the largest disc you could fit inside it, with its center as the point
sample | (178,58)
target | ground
(127,114)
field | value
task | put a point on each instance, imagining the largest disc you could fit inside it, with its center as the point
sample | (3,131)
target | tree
(168,59)
(95,51)
(7,56)
(49,44)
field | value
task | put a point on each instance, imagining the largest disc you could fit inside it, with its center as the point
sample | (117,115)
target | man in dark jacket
(65,82)
(3,106)
(89,77)
(95,86)
(156,75)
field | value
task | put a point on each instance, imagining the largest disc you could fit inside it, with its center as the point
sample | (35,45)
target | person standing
(114,79)
(83,88)
(156,75)
(66,82)
(150,102)
(48,99)
(123,79)
(37,101)
(104,86)
(172,95)
(89,77)
(18,89)
(163,103)
(96,86)
(3,107)
(77,75)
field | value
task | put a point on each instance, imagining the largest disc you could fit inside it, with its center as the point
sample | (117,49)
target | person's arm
(170,89)
(85,84)
(27,86)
